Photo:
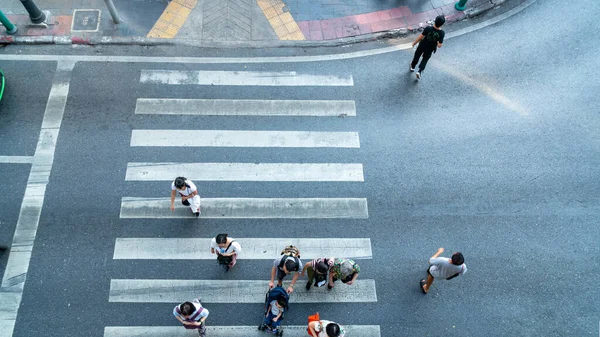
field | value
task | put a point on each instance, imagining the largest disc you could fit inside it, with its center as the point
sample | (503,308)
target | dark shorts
(428,273)
(280,274)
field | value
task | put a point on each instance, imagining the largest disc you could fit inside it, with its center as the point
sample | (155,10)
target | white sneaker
(411,68)
(418,75)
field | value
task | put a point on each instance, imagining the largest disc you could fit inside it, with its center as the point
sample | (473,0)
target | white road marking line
(245,171)
(232,291)
(245,78)
(229,331)
(249,208)
(15,274)
(244,107)
(243,138)
(16,159)
(252,248)
(242,60)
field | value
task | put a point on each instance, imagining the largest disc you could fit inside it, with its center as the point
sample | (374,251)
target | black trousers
(426,53)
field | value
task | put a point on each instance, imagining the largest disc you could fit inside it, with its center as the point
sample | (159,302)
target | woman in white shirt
(226,250)
(188,192)
(322,328)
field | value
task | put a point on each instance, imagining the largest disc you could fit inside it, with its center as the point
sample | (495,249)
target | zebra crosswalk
(249,208)
(245,107)
(226,331)
(235,138)
(254,248)
(162,289)
(229,291)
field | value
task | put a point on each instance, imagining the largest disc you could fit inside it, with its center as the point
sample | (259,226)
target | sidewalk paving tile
(396,13)
(417,18)
(316,35)
(384,15)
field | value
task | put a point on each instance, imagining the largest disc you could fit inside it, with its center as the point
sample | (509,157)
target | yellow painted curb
(282,22)
(172,19)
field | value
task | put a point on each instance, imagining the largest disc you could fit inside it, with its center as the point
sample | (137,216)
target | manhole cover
(85,20)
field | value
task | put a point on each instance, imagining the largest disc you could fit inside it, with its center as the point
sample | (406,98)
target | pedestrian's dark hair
(439,20)
(332,329)
(221,238)
(180,182)
(458,258)
(322,267)
(291,265)
(187,308)
(282,303)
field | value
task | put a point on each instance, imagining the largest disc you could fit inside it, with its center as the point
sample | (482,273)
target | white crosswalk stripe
(245,78)
(231,138)
(245,171)
(249,208)
(244,107)
(228,291)
(229,331)
(253,248)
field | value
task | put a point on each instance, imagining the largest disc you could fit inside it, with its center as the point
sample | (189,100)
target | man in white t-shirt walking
(443,268)
(188,192)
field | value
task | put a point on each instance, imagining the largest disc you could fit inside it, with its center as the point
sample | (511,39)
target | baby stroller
(275,294)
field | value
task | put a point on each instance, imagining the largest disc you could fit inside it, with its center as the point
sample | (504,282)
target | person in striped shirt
(317,270)
(343,269)
(192,315)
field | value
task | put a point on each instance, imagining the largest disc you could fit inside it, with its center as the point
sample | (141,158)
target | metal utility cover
(85,20)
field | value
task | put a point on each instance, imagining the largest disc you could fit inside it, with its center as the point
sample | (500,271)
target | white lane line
(241,60)
(252,248)
(16,159)
(242,138)
(249,208)
(245,171)
(244,107)
(232,291)
(229,331)
(15,274)
(245,78)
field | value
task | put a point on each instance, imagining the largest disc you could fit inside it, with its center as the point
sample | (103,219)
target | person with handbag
(317,270)
(322,328)
(343,269)
(192,315)
(226,249)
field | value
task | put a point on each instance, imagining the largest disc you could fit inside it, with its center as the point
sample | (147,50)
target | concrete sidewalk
(254,22)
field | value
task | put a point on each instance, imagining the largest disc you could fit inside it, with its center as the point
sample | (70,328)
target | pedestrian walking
(192,315)
(288,263)
(322,328)
(429,41)
(343,269)
(317,270)
(188,192)
(226,249)
(443,268)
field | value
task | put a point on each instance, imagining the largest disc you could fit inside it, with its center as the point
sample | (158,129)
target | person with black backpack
(288,263)
(226,249)
(429,41)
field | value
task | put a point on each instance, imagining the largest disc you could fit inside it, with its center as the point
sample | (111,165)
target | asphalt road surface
(494,153)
